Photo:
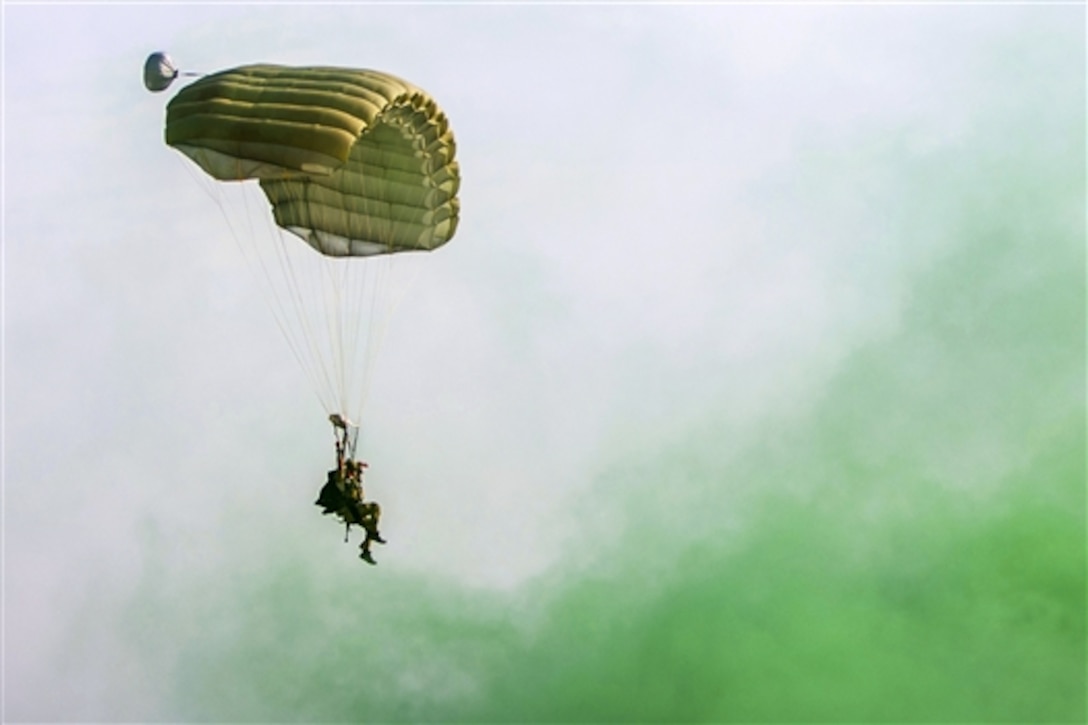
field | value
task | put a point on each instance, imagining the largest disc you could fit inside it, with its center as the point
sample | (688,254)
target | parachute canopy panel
(356,162)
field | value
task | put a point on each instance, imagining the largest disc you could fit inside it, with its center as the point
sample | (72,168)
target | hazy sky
(752,387)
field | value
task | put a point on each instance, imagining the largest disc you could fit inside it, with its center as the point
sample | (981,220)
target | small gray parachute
(159,72)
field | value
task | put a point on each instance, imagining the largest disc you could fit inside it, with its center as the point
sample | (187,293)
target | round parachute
(159,72)
(357,163)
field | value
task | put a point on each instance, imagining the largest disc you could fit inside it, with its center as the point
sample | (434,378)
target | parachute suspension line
(376,291)
(281,287)
(381,319)
(331,294)
(355,282)
(346,435)
(353,269)
(361,298)
(247,247)
(282,293)
(310,318)
(377,297)
(341,319)
(323,291)
(354,298)
(320,303)
(351,439)
(374,285)
(285,292)
(296,283)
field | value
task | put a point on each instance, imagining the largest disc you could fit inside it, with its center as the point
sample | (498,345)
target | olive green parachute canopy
(356,162)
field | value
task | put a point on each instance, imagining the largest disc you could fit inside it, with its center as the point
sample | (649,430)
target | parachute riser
(346,434)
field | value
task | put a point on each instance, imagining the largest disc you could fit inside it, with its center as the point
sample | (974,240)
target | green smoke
(910,548)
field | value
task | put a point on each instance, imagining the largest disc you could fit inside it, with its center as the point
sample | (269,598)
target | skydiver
(342,493)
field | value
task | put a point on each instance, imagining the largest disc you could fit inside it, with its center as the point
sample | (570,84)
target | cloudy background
(752,387)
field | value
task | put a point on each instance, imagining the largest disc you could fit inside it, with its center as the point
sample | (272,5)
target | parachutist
(342,495)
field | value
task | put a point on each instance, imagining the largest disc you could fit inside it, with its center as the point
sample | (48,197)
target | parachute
(358,164)
(159,72)
(355,162)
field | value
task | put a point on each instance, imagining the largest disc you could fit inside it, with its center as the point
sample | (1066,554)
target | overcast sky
(750,388)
